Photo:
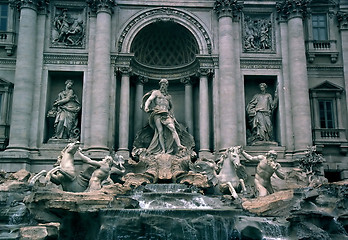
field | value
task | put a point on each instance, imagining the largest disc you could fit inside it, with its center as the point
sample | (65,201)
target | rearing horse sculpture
(232,173)
(64,172)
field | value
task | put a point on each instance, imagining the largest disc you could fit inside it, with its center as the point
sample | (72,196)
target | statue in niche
(266,167)
(65,111)
(104,168)
(260,110)
(70,30)
(166,137)
(257,34)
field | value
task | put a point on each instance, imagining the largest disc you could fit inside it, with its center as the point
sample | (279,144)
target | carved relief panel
(68,27)
(258,33)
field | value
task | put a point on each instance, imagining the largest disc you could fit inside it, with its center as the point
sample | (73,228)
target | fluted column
(124,110)
(204,126)
(294,11)
(102,75)
(25,75)
(226,9)
(342,18)
(188,104)
(138,112)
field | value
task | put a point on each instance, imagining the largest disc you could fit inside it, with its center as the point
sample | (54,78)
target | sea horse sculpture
(232,174)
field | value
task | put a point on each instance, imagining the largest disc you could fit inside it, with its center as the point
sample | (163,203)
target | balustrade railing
(324,47)
(326,135)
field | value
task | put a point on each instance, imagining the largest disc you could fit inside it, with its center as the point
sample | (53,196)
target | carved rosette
(228,8)
(101,5)
(293,8)
(32,4)
(342,18)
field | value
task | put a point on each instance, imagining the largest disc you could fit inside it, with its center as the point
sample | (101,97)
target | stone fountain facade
(255,84)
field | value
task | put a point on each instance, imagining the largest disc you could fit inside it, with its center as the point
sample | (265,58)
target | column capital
(293,8)
(342,18)
(228,8)
(205,72)
(32,4)
(142,80)
(101,6)
(125,70)
(186,80)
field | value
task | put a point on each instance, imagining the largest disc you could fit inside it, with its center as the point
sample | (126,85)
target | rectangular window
(319,24)
(326,114)
(3,17)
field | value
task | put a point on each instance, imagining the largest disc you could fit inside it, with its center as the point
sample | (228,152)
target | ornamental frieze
(68,27)
(258,33)
(260,64)
(65,59)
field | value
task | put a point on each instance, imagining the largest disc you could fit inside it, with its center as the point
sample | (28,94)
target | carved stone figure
(232,174)
(101,175)
(166,138)
(266,167)
(260,110)
(65,110)
(70,30)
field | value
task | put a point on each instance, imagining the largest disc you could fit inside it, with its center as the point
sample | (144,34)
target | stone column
(226,9)
(204,126)
(25,76)
(342,18)
(102,75)
(188,104)
(138,112)
(124,111)
(294,11)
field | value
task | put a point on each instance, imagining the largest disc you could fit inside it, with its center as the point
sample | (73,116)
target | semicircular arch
(146,17)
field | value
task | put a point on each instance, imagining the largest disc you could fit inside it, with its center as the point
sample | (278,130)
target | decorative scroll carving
(33,4)
(229,8)
(101,5)
(342,18)
(125,70)
(68,28)
(293,8)
(205,72)
(257,33)
(169,12)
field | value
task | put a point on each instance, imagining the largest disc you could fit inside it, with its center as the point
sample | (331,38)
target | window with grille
(326,114)
(3,17)
(319,24)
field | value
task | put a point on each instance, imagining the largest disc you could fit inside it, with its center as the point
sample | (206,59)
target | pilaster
(342,18)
